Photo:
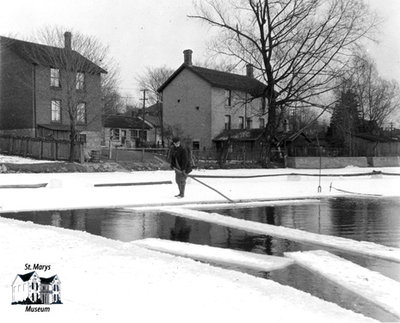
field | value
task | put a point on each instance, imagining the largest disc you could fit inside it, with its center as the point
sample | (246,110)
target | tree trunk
(72,143)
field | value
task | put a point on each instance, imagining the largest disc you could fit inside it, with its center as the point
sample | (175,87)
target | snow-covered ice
(217,255)
(363,248)
(370,285)
(104,280)
(77,190)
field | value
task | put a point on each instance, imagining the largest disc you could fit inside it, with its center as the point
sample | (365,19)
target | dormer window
(80,80)
(54,77)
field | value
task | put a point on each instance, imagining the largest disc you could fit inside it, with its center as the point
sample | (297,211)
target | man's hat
(175,139)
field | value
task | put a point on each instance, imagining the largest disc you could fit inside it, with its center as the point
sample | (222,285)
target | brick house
(38,82)
(201,103)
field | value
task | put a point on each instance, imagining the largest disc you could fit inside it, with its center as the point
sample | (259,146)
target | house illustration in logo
(31,289)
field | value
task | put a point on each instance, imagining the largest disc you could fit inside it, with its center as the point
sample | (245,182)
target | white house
(33,288)
(50,290)
(25,287)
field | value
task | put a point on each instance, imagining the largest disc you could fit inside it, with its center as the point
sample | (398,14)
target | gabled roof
(26,277)
(49,56)
(152,120)
(121,121)
(48,280)
(223,80)
(154,109)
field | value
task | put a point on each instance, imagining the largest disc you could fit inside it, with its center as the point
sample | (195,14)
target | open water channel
(375,220)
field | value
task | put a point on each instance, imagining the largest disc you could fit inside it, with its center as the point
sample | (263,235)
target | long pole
(143,121)
(211,188)
(320,166)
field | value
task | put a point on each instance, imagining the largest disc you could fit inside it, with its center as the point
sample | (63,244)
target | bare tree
(298,47)
(152,79)
(78,57)
(378,98)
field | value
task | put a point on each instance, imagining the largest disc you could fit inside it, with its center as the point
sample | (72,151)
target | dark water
(375,220)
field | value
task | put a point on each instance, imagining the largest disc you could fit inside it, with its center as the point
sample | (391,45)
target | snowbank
(215,255)
(77,190)
(5,159)
(102,280)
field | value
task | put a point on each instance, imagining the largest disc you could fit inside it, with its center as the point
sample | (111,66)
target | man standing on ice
(180,162)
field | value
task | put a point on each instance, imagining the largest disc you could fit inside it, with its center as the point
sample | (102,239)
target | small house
(125,131)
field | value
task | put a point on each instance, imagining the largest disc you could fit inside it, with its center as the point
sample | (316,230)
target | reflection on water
(375,220)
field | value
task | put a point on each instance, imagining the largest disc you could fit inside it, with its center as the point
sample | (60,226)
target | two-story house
(203,103)
(41,85)
(50,290)
(26,287)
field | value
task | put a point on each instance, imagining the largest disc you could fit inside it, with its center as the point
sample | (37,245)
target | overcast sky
(154,33)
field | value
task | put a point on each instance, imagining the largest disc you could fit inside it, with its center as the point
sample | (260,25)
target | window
(241,123)
(55,77)
(81,113)
(228,98)
(249,123)
(195,144)
(134,134)
(227,122)
(262,123)
(55,111)
(115,134)
(80,81)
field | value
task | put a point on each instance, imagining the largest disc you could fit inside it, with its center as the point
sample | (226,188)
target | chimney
(187,56)
(249,70)
(67,40)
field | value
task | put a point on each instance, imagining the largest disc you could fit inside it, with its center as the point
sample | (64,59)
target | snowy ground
(21,160)
(104,279)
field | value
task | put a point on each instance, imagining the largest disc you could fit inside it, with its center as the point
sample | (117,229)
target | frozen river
(375,220)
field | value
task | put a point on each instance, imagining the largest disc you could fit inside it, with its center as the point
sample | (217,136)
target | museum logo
(31,289)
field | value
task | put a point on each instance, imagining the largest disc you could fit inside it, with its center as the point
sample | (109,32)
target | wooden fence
(39,148)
